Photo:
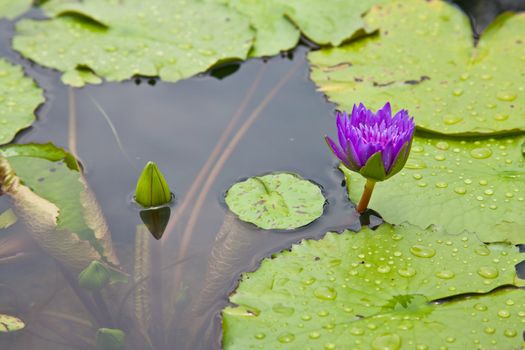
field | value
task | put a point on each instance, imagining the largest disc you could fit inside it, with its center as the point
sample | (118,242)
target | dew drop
(509,194)
(483,182)
(480,307)
(501,117)
(417,176)
(460,190)
(325,293)
(504,313)
(510,333)
(314,335)
(387,341)
(422,251)
(506,96)
(286,338)
(442,145)
(446,274)
(488,272)
(439,157)
(489,330)
(481,153)
(421,347)
(383,269)
(457,92)
(306,317)
(415,164)
(422,184)
(482,250)
(408,272)
(282,309)
(260,336)
(441,184)
(329,346)
(357,331)
(489,192)
(451,119)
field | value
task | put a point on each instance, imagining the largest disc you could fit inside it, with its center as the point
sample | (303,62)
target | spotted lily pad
(115,40)
(462,185)
(10,323)
(378,290)
(13,8)
(52,198)
(19,97)
(278,23)
(276,201)
(424,59)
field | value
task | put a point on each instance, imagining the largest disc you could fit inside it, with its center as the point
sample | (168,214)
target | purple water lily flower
(376,145)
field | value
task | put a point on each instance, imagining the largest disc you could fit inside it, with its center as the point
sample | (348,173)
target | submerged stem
(365,197)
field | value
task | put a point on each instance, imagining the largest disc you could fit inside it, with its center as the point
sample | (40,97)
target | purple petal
(335,149)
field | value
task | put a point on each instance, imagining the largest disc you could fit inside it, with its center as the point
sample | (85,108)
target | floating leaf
(278,23)
(276,201)
(424,59)
(57,206)
(376,290)
(7,219)
(115,40)
(10,323)
(461,185)
(13,8)
(19,97)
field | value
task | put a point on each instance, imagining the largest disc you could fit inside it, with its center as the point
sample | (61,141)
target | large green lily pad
(375,290)
(19,97)
(276,201)
(278,23)
(423,59)
(461,185)
(53,199)
(115,40)
(13,8)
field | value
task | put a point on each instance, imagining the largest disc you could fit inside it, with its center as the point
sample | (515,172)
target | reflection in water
(270,123)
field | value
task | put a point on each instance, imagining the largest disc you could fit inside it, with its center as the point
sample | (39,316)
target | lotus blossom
(376,145)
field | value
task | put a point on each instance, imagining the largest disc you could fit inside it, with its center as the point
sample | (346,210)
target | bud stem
(365,197)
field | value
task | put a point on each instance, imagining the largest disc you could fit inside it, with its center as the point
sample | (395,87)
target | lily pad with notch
(393,288)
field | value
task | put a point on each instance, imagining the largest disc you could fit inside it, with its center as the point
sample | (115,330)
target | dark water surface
(177,126)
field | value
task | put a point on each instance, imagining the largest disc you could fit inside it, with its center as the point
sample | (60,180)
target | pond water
(281,123)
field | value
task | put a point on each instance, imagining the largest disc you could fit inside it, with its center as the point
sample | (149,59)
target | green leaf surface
(10,323)
(116,40)
(276,201)
(7,219)
(476,186)
(376,290)
(13,8)
(278,23)
(19,98)
(53,199)
(423,59)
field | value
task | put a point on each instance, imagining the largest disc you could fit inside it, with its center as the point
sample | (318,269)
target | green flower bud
(152,189)
(94,277)
(110,339)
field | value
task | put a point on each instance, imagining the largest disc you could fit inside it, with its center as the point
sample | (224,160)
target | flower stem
(365,197)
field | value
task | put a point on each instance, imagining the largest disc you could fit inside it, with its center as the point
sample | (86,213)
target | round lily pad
(116,40)
(474,185)
(424,59)
(379,290)
(19,98)
(10,323)
(276,201)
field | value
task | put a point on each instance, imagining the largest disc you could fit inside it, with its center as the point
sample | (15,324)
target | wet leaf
(110,339)
(375,290)
(116,40)
(279,23)
(7,218)
(52,198)
(447,83)
(94,277)
(276,201)
(10,323)
(476,186)
(11,9)
(19,98)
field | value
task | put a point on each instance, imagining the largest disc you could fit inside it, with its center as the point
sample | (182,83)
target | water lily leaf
(460,185)
(19,97)
(116,40)
(376,290)
(278,23)
(10,323)
(13,8)
(53,199)
(447,83)
(276,201)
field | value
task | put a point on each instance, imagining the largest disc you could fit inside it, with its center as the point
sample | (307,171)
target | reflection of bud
(152,189)
(156,220)
(110,339)
(94,277)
